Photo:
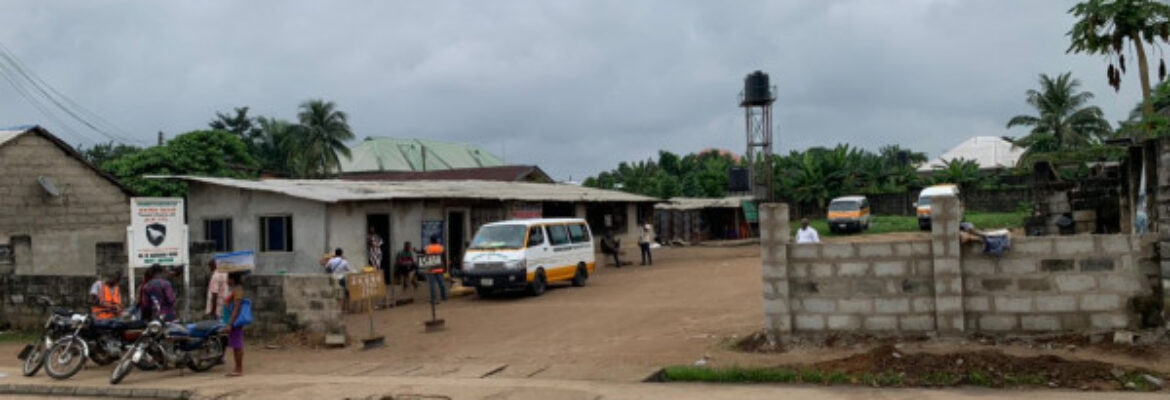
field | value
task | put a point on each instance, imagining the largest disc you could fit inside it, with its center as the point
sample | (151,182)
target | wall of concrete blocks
(939,285)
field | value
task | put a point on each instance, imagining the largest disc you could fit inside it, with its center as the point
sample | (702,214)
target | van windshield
(499,237)
(844,206)
(924,201)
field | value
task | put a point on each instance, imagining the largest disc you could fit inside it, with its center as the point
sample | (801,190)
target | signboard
(431,229)
(158,232)
(365,286)
(750,212)
(526,211)
(235,262)
(426,262)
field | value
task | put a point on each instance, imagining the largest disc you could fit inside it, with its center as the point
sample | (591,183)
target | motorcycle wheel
(35,359)
(208,355)
(65,359)
(125,364)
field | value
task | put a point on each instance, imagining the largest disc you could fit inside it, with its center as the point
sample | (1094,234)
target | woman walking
(235,334)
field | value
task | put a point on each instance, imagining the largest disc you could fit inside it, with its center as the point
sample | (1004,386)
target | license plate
(486,282)
(841,225)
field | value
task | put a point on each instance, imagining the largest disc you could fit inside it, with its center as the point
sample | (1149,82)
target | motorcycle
(56,326)
(198,346)
(100,340)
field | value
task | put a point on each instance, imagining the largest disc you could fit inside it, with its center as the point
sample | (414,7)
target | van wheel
(582,275)
(539,284)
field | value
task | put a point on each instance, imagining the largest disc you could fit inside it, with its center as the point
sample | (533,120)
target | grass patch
(888,379)
(979,379)
(18,336)
(812,376)
(728,375)
(880,224)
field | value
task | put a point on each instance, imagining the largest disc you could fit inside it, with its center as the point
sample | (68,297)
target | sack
(242,320)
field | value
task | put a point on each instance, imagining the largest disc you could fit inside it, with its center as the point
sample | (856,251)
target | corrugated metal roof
(332,191)
(988,151)
(692,203)
(395,154)
(507,173)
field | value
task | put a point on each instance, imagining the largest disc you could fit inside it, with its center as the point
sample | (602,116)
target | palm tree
(1104,27)
(1063,119)
(323,132)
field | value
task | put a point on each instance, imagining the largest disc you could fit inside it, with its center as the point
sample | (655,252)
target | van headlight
(518,264)
(467,265)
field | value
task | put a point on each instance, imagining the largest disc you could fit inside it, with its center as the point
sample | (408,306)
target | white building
(989,151)
(290,224)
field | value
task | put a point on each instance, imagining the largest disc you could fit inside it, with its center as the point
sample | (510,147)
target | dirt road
(570,343)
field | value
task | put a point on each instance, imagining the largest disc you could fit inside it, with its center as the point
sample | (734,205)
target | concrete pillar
(774,237)
(948,276)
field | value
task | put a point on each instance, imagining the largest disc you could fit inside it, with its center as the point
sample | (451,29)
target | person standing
(375,242)
(159,295)
(235,334)
(644,239)
(435,281)
(217,290)
(404,266)
(806,234)
(105,296)
(339,267)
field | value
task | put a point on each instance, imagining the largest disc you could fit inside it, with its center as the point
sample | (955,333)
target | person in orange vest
(105,297)
(435,273)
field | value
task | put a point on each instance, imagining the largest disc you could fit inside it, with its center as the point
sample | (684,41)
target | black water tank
(738,180)
(757,89)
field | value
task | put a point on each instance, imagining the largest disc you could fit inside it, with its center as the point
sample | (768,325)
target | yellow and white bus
(529,254)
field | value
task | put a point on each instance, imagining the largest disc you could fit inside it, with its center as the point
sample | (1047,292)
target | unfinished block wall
(1041,285)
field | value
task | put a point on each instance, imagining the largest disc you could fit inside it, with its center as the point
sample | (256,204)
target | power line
(23,92)
(62,102)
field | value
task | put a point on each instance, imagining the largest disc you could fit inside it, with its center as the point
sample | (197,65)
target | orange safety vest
(435,249)
(107,299)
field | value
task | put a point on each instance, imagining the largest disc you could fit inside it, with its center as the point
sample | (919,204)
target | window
(578,233)
(220,232)
(535,236)
(276,233)
(557,235)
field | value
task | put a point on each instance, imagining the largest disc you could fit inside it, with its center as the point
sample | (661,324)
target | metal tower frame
(758,124)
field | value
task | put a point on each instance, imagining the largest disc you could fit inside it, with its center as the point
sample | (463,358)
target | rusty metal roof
(333,190)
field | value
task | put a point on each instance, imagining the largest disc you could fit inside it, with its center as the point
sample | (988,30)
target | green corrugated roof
(397,154)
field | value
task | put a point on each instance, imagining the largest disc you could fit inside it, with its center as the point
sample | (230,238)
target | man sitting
(105,297)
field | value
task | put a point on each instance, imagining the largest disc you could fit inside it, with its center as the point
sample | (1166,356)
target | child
(235,335)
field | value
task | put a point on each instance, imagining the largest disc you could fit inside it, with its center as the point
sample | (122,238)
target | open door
(456,237)
(380,223)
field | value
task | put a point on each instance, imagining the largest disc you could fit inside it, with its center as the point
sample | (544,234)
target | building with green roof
(399,154)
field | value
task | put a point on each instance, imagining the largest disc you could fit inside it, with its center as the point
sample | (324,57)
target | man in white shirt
(806,234)
(338,267)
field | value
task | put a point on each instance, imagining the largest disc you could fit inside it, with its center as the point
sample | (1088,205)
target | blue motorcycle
(198,346)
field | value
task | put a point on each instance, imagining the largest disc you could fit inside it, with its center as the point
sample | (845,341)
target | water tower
(756,100)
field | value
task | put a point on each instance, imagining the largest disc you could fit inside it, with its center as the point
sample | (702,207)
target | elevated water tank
(756,88)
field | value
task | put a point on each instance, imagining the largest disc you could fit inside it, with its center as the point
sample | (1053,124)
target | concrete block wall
(862,286)
(1043,284)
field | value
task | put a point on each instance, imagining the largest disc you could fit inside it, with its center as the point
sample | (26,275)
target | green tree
(962,172)
(100,153)
(321,137)
(1063,119)
(200,153)
(275,147)
(239,123)
(1105,26)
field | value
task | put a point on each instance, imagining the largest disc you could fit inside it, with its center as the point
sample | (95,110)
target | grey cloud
(573,86)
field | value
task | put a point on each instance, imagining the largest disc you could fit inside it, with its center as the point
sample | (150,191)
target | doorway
(456,237)
(381,225)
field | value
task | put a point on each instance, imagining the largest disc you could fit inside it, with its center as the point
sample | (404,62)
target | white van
(529,254)
(924,199)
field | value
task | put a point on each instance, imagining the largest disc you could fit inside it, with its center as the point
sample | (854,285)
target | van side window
(578,234)
(535,236)
(557,235)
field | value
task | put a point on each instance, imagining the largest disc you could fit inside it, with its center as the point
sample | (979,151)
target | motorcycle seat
(204,328)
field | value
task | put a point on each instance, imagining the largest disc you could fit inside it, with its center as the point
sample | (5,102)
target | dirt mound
(984,368)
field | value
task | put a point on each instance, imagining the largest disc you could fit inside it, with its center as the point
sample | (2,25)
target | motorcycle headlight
(154,327)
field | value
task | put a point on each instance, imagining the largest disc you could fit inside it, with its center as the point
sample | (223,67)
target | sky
(572,86)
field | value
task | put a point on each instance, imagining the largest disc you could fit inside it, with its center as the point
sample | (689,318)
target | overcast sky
(572,86)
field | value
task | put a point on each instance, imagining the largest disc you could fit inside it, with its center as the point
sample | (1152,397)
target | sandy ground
(599,340)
